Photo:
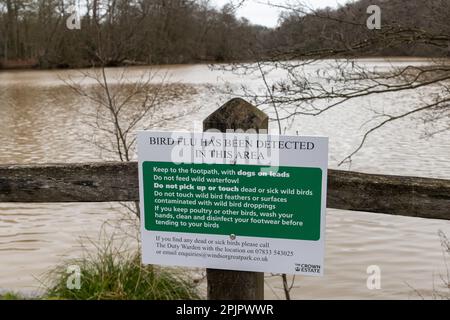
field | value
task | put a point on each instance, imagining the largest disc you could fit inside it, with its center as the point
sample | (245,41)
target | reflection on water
(42,121)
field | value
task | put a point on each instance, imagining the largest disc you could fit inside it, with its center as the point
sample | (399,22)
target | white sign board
(233,201)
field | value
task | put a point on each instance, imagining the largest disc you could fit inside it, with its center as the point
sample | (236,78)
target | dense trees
(304,29)
(120,31)
(177,31)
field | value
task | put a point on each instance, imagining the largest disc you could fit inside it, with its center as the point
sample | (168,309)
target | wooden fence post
(226,284)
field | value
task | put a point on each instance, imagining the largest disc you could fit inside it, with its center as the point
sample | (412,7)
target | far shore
(32,64)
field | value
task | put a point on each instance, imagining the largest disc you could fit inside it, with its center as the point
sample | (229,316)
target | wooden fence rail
(111,181)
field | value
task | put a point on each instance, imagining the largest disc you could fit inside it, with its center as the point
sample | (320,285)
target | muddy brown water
(41,121)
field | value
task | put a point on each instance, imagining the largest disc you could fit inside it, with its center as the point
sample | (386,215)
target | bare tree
(341,78)
(122,105)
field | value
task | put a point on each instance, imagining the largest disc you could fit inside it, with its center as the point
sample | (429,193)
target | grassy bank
(114,277)
(111,274)
(10,296)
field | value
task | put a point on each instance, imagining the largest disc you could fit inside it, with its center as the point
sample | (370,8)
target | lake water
(42,121)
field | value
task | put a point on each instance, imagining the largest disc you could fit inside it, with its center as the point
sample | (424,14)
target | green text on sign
(240,200)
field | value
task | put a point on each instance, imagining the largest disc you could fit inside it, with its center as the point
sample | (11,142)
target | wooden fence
(116,181)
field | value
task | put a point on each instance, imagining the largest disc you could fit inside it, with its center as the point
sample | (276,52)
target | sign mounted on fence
(233,201)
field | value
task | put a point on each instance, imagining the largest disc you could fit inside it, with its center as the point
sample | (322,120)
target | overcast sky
(259,13)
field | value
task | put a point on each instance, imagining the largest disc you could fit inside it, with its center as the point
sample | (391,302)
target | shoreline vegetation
(30,64)
(111,272)
(114,275)
(158,32)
